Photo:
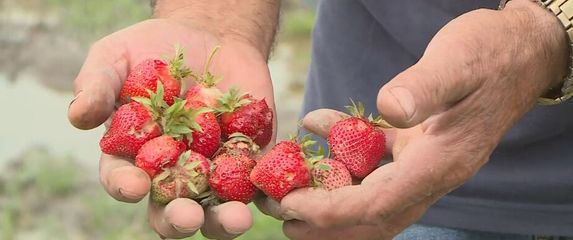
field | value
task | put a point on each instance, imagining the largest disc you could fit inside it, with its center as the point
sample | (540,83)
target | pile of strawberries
(204,144)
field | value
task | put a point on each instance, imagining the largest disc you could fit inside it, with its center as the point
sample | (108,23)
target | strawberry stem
(207,79)
(177,67)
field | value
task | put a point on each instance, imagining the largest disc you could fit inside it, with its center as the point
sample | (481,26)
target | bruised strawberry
(186,179)
(207,137)
(283,169)
(358,142)
(158,153)
(205,91)
(229,179)
(330,174)
(246,115)
(131,126)
(144,77)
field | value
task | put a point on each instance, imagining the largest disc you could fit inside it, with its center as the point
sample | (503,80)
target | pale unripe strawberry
(188,178)
(330,174)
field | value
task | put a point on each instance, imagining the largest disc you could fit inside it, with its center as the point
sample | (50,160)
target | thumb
(97,86)
(437,82)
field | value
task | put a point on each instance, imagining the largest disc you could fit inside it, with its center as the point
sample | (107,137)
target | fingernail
(184,230)
(406,101)
(75,98)
(128,194)
(289,215)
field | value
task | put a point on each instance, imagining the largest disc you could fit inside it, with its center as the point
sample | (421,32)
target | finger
(397,223)
(268,206)
(227,221)
(300,230)
(122,180)
(180,218)
(97,85)
(327,209)
(295,229)
(320,121)
(428,87)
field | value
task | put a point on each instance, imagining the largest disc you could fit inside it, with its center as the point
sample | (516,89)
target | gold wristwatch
(563,9)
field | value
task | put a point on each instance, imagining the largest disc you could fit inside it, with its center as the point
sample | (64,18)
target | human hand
(479,75)
(97,88)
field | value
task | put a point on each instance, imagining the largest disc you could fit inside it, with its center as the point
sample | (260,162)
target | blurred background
(49,186)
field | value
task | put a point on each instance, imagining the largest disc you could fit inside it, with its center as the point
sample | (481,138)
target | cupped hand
(479,75)
(97,88)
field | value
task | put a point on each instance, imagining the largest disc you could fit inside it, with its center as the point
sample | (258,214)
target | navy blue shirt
(526,187)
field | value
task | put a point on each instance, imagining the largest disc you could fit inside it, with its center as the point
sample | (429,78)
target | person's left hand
(479,75)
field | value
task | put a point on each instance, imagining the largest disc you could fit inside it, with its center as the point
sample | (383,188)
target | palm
(238,63)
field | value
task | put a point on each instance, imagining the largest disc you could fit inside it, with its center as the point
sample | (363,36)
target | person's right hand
(97,88)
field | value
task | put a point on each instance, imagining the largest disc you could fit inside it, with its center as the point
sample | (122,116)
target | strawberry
(283,168)
(330,174)
(358,142)
(146,74)
(205,91)
(229,179)
(158,153)
(133,124)
(206,138)
(188,179)
(246,115)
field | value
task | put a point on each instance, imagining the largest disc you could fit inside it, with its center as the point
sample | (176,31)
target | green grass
(51,196)
(297,24)
(89,20)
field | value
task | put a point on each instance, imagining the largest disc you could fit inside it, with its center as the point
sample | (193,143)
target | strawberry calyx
(312,152)
(178,121)
(231,101)
(357,110)
(177,68)
(155,103)
(207,79)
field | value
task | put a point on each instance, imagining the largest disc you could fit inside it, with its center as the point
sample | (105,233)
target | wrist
(532,18)
(253,23)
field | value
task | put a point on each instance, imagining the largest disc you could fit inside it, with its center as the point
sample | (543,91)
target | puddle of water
(35,115)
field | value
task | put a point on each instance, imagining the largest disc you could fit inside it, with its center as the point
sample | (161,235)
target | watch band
(563,9)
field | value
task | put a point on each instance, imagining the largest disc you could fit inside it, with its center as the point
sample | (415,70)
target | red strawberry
(134,124)
(282,169)
(205,91)
(145,75)
(357,142)
(188,179)
(229,179)
(330,174)
(206,140)
(246,115)
(158,153)
(131,126)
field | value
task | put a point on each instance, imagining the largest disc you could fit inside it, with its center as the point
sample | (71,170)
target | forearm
(252,21)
